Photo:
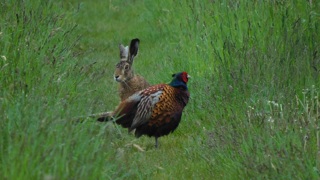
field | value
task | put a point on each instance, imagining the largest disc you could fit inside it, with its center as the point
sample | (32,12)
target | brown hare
(129,83)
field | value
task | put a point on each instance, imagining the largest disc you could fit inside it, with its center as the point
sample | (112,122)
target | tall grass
(253,63)
(254,108)
(42,73)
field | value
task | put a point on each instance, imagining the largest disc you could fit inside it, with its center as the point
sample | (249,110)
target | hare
(129,83)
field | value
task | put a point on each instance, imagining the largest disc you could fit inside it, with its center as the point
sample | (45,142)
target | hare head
(124,70)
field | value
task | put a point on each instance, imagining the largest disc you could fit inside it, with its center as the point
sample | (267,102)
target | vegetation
(254,110)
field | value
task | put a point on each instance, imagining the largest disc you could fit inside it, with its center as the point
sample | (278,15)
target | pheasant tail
(126,111)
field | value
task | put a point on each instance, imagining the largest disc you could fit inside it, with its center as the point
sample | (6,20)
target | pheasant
(155,111)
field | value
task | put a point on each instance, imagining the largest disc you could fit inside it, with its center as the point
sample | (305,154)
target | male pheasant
(155,111)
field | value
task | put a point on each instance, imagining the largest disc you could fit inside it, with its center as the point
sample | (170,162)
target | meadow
(253,113)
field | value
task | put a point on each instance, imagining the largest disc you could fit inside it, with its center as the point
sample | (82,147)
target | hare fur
(129,83)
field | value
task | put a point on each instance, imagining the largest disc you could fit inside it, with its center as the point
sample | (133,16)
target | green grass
(254,110)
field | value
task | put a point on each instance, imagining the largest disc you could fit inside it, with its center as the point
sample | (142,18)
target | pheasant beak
(188,76)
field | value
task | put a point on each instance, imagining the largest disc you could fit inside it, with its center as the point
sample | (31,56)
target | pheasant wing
(150,97)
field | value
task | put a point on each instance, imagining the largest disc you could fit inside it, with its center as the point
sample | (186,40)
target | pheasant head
(180,80)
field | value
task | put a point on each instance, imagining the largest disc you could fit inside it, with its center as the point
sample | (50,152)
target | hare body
(137,83)
(129,83)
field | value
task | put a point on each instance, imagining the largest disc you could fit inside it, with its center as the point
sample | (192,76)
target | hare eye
(126,67)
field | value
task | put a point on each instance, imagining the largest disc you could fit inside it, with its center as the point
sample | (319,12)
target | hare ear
(134,47)
(123,51)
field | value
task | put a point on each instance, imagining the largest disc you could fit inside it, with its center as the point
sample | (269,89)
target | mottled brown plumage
(155,111)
